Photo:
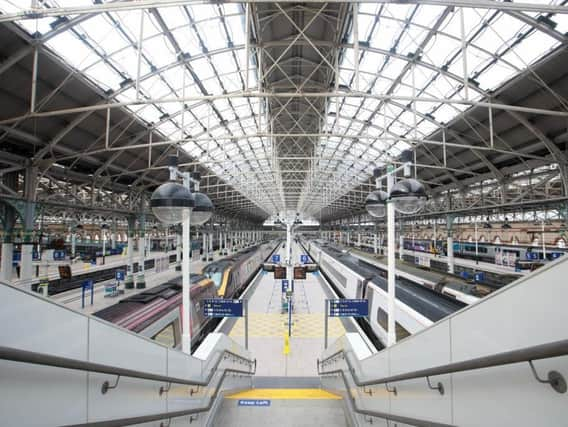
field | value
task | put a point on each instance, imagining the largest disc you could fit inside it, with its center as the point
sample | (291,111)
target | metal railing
(528,354)
(24,356)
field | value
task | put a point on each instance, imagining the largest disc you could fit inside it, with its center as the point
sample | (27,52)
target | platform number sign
(285,286)
(119,275)
(304,259)
(276,258)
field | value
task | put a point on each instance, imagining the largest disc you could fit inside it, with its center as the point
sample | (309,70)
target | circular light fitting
(376,203)
(171,203)
(409,196)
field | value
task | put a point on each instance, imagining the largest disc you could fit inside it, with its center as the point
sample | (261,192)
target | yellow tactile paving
(284,393)
(275,324)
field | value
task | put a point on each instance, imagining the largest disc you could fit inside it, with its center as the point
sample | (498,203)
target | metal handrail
(527,354)
(24,356)
(165,415)
(386,416)
(32,357)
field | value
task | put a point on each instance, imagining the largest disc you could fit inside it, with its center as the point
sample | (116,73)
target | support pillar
(129,281)
(141,279)
(26,262)
(449,224)
(210,252)
(204,247)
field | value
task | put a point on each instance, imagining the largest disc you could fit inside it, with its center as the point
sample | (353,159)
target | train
(156,312)
(230,273)
(509,255)
(417,306)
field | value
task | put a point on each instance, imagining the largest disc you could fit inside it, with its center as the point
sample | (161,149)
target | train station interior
(245,213)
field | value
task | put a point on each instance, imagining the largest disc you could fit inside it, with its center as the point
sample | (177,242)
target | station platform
(268,324)
(73,298)
(80,266)
(480,265)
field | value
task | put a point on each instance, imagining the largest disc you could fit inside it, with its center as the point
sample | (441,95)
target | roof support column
(8,222)
(30,181)
(129,282)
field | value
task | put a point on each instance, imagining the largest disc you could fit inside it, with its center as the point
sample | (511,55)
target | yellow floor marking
(286,344)
(284,393)
(275,325)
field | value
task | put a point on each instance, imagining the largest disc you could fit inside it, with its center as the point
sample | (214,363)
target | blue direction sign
(58,255)
(254,402)
(285,286)
(119,275)
(223,307)
(479,277)
(532,255)
(304,259)
(348,308)
(275,258)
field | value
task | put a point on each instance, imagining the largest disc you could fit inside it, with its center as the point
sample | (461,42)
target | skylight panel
(169,129)
(150,113)
(202,68)
(394,68)
(174,17)
(127,61)
(159,50)
(440,50)
(104,76)
(213,34)
(212,85)
(174,76)
(385,33)
(187,40)
(73,50)
(428,15)
(530,49)
(445,113)
(156,87)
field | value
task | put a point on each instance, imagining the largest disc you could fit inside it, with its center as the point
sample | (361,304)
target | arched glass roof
(189,71)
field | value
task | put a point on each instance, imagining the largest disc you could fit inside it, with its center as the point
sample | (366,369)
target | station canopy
(330,91)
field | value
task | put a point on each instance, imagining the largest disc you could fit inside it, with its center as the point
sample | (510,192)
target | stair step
(284,394)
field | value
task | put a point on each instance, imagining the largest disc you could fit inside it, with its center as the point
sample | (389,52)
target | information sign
(348,308)
(58,255)
(532,255)
(223,307)
(254,402)
(279,273)
(479,277)
(304,259)
(300,273)
(285,286)
(65,271)
(119,275)
(275,258)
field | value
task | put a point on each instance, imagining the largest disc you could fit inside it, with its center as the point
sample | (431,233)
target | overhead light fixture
(506,225)
(202,209)
(376,203)
(172,203)
(409,196)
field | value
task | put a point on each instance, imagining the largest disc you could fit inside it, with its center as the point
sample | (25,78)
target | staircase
(283,407)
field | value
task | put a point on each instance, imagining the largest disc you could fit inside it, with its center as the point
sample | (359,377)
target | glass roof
(223,133)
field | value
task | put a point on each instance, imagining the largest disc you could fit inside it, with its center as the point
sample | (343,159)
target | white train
(416,306)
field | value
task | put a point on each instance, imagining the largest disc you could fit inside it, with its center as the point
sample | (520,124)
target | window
(383,319)
(166,336)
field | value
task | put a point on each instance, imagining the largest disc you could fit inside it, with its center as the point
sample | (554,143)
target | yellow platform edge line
(284,394)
